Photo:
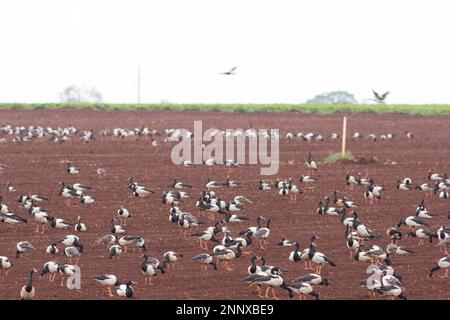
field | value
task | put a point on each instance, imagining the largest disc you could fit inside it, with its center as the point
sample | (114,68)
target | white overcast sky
(285,51)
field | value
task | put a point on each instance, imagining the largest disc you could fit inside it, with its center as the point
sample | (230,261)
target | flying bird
(230,72)
(378,98)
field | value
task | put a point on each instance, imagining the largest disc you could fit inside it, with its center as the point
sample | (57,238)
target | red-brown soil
(38,167)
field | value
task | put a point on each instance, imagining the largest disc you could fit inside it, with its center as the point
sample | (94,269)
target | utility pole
(139,82)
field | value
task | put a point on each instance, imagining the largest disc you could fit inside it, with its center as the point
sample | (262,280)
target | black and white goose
(205,259)
(307,179)
(23,246)
(310,163)
(443,263)
(295,256)
(66,270)
(422,235)
(123,214)
(427,187)
(71,240)
(117,228)
(52,249)
(28,291)
(11,218)
(115,251)
(51,268)
(71,169)
(59,223)
(213,184)
(79,226)
(138,242)
(107,239)
(264,186)
(392,291)
(180,185)
(286,243)
(170,257)
(350,180)
(232,218)
(149,267)
(141,191)
(225,254)
(81,187)
(108,280)
(232,183)
(73,252)
(319,258)
(294,190)
(313,278)
(204,236)
(302,289)
(271,280)
(5,264)
(262,234)
(393,248)
(126,290)
(412,222)
(85,199)
(436,176)
(404,186)
(3,207)
(69,192)
(351,241)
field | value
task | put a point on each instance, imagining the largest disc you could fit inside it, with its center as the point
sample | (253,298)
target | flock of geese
(210,225)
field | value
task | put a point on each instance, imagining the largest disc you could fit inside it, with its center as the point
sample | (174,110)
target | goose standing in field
(412,222)
(74,252)
(52,249)
(132,240)
(422,235)
(107,239)
(443,236)
(71,240)
(23,246)
(204,236)
(126,290)
(295,256)
(392,291)
(109,280)
(262,234)
(271,280)
(115,251)
(318,258)
(28,291)
(71,169)
(443,263)
(351,241)
(253,230)
(51,268)
(313,278)
(149,267)
(444,194)
(79,226)
(5,264)
(171,257)
(123,215)
(116,228)
(226,255)
(205,259)
(310,163)
(294,190)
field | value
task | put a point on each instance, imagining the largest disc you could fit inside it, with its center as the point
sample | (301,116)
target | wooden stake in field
(344,135)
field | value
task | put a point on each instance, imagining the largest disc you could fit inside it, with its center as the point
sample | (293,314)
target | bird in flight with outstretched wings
(378,98)
(230,72)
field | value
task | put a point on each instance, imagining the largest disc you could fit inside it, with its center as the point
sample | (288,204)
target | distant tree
(76,93)
(333,97)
